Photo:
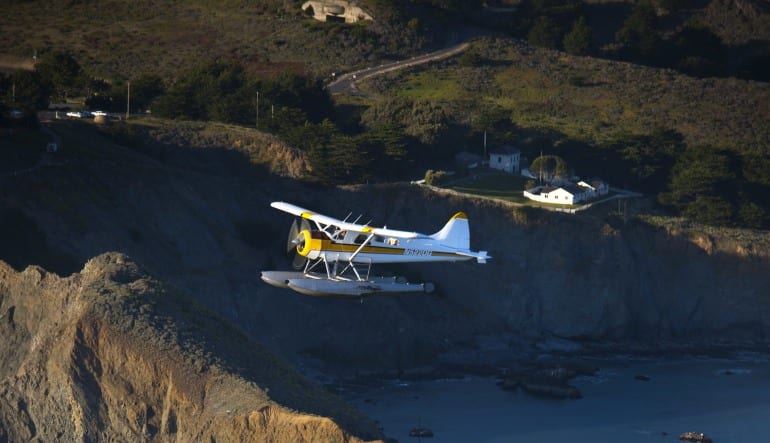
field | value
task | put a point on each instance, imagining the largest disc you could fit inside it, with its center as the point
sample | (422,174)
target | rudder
(455,232)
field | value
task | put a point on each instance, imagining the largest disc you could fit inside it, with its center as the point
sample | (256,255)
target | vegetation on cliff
(636,127)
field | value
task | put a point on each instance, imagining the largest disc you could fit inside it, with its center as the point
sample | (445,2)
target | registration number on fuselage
(420,252)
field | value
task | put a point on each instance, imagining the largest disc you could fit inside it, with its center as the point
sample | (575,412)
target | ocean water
(728,400)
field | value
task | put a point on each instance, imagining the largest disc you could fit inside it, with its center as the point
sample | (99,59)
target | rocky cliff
(200,220)
(111,354)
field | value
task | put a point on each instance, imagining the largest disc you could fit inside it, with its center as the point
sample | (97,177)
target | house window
(499,159)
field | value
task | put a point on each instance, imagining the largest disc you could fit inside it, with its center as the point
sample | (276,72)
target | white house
(506,158)
(567,193)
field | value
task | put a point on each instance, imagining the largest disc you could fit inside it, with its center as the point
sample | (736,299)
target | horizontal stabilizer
(480,256)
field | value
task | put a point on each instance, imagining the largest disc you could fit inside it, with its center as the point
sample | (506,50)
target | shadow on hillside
(605,20)
(23,243)
(187,148)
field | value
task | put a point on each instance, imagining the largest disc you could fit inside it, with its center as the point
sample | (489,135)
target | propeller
(295,241)
(291,244)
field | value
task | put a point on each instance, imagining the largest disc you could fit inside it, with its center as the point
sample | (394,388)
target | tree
(470,58)
(31,91)
(700,51)
(549,167)
(413,24)
(425,121)
(578,40)
(639,33)
(62,72)
(702,186)
(643,162)
(545,32)
(144,89)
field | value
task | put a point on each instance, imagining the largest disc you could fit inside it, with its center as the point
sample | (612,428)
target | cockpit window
(360,239)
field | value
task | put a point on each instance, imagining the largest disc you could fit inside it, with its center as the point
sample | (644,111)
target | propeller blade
(298,262)
(304,225)
(293,232)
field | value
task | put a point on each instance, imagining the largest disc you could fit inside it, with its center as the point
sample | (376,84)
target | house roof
(570,188)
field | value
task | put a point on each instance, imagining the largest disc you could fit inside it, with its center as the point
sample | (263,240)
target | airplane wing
(322,221)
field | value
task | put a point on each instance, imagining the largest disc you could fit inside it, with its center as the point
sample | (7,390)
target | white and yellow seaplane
(334,259)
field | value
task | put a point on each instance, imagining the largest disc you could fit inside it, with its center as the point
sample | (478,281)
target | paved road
(346,83)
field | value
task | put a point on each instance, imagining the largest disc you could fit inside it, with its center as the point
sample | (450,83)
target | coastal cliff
(199,219)
(111,354)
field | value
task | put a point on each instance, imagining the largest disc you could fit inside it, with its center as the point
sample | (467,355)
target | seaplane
(333,258)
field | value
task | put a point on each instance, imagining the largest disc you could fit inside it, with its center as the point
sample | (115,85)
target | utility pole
(541,166)
(128,99)
(485,144)
(257,109)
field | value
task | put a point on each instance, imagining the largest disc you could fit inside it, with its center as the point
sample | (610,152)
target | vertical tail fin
(455,233)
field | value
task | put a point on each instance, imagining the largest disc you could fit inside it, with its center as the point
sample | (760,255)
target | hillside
(111,354)
(587,99)
(199,219)
(117,40)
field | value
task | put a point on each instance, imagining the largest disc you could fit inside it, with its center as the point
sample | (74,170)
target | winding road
(346,83)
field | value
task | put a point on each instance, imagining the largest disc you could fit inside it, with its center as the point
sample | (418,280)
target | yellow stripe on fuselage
(330,246)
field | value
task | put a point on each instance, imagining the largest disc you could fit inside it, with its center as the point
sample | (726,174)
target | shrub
(578,40)
(435,178)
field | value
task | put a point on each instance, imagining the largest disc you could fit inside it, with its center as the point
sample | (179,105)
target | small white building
(568,193)
(336,10)
(505,158)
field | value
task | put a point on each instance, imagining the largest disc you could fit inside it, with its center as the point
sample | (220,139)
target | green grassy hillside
(588,99)
(117,40)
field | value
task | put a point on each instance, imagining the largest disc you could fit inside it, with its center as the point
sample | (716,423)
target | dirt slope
(110,354)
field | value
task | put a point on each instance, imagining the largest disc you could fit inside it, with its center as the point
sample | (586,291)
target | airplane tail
(455,233)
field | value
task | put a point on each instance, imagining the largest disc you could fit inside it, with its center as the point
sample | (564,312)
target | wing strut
(353,256)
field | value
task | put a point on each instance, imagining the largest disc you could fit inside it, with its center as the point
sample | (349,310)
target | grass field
(590,99)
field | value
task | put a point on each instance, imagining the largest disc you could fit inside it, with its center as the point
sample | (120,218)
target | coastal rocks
(548,381)
(699,437)
(420,432)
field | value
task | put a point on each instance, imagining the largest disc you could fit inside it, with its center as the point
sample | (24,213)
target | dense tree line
(714,186)
(708,184)
(690,48)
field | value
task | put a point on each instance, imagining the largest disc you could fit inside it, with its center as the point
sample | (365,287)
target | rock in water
(699,437)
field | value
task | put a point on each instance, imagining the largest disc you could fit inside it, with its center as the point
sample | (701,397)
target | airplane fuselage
(379,249)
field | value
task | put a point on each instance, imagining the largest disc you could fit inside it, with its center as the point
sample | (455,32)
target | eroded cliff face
(589,276)
(200,220)
(110,354)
